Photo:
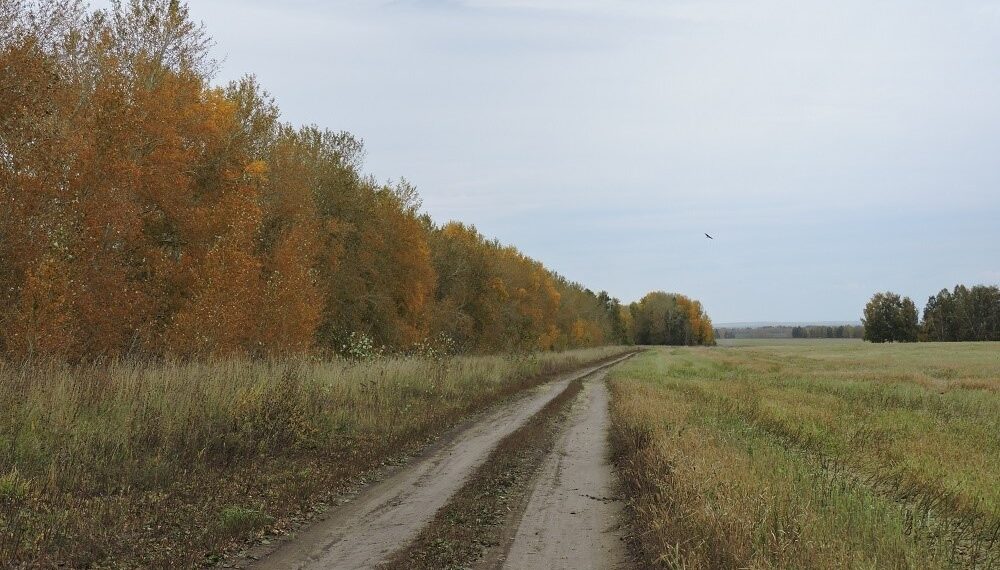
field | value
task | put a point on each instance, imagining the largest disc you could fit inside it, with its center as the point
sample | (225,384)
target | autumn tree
(67,178)
(672,319)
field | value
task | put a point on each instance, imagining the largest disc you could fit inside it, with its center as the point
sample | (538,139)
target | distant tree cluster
(671,319)
(890,318)
(964,314)
(820,331)
(147,212)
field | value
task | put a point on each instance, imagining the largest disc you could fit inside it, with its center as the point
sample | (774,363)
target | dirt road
(388,515)
(572,518)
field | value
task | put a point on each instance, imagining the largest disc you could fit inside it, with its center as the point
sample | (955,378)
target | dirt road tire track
(387,516)
(573,520)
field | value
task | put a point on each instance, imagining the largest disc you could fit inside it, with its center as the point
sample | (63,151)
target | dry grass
(128,464)
(812,455)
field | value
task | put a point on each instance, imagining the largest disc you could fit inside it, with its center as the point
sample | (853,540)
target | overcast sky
(833,148)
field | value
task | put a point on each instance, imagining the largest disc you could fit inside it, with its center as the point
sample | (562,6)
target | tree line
(788,331)
(820,331)
(148,212)
(963,314)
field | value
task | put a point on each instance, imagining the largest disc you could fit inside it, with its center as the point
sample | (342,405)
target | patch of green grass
(235,520)
(13,487)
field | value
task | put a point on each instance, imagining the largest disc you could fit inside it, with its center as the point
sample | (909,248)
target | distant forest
(962,314)
(807,331)
(148,212)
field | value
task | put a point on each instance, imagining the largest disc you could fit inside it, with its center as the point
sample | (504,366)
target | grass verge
(173,464)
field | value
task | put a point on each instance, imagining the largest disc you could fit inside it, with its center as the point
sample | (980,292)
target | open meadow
(812,454)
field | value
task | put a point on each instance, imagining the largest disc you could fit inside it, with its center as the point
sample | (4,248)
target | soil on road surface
(573,520)
(388,516)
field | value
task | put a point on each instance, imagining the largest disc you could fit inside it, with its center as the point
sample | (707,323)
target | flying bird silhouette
(709,237)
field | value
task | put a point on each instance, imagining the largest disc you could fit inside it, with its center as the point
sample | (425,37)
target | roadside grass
(812,455)
(127,464)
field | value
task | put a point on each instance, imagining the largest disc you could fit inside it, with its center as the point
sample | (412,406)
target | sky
(832,148)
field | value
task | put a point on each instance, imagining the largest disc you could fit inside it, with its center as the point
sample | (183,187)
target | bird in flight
(709,237)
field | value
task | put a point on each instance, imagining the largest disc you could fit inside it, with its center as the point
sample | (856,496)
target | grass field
(168,465)
(812,454)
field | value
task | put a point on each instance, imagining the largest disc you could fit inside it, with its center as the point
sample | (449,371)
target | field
(169,465)
(812,454)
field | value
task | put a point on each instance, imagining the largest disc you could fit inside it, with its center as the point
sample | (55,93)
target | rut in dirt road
(572,520)
(387,516)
